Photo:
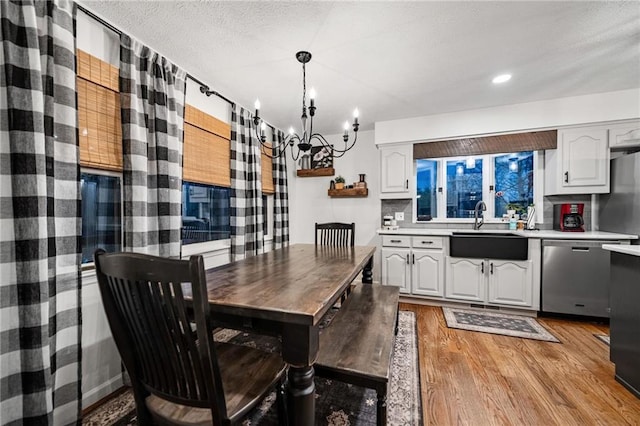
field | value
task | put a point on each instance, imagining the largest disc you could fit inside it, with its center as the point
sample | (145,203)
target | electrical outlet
(399,215)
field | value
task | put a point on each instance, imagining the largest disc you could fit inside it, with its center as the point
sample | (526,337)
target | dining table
(286,293)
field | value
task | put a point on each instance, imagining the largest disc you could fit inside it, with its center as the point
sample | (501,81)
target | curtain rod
(203,87)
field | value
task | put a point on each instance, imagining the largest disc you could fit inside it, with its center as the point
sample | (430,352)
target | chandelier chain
(304,85)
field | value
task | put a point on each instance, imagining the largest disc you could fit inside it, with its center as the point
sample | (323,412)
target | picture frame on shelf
(321,157)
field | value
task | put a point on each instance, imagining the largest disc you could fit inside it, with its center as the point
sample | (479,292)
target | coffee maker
(568,217)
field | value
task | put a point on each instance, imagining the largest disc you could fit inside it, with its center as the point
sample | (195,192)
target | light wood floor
(471,378)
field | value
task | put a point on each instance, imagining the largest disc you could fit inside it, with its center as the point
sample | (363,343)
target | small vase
(339,185)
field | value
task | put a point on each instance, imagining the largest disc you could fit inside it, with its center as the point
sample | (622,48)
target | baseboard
(94,395)
(450,304)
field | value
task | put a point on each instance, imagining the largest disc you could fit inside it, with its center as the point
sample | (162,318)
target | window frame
(488,195)
(103,172)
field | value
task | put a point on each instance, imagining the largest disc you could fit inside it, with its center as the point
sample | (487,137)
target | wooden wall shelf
(354,192)
(327,171)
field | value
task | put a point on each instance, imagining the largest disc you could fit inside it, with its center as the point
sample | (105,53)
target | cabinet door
(511,282)
(585,157)
(624,135)
(427,276)
(396,268)
(465,279)
(395,169)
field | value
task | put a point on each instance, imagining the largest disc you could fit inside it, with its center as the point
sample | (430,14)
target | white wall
(311,203)
(553,113)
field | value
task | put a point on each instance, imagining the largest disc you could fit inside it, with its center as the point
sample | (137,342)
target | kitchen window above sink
(448,189)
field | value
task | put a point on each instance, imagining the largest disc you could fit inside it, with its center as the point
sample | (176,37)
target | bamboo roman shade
(530,141)
(100,131)
(206,157)
(267,173)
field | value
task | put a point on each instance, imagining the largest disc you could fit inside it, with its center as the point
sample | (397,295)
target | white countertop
(543,234)
(624,249)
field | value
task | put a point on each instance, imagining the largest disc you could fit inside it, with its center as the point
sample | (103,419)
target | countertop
(624,249)
(543,234)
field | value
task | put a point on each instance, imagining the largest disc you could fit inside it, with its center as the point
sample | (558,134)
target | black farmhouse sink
(484,245)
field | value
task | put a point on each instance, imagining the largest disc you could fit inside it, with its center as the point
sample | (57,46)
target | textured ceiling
(390,59)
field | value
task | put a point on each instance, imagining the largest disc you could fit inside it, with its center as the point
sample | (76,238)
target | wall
(311,203)
(553,113)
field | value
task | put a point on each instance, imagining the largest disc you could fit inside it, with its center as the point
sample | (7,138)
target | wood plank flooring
(471,378)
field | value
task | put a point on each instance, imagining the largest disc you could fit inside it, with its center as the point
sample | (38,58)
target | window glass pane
(464,187)
(205,213)
(514,182)
(427,187)
(101,220)
(265,218)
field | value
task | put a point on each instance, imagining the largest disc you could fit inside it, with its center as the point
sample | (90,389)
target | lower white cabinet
(427,272)
(510,282)
(465,279)
(501,282)
(417,271)
(396,268)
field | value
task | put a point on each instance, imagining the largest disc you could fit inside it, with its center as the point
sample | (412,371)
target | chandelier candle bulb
(257,107)
(356,113)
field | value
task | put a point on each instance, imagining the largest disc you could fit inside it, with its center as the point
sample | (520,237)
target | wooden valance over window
(206,149)
(100,134)
(518,142)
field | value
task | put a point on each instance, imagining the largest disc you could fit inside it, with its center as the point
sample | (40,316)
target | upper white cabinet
(580,164)
(396,171)
(625,135)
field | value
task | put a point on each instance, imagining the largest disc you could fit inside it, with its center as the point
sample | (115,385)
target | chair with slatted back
(336,234)
(178,376)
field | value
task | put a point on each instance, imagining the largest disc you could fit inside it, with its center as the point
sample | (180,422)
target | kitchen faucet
(479,205)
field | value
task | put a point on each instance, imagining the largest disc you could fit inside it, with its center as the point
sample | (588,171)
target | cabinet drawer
(396,241)
(427,242)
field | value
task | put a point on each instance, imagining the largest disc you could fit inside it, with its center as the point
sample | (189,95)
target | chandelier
(303,142)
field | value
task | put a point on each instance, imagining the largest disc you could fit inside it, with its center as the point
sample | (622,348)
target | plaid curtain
(152,94)
(247,224)
(280,197)
(40,220)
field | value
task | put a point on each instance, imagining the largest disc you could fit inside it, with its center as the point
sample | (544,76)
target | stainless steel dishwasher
(575,277)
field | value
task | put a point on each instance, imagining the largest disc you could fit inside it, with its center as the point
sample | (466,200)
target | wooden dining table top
(296,284)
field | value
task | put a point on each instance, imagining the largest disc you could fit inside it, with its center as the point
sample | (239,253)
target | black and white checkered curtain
(280,196)
(40,223)
(247,223)
(152,94)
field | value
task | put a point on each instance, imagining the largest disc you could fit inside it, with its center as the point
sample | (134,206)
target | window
(205,213)
(514,182)
(448,189)
(464,187)
(101,220)
(427,187)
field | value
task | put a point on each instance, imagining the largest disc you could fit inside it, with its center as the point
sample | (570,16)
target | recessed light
(501,78)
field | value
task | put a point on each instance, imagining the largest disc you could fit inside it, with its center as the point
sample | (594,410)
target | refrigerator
(619,210)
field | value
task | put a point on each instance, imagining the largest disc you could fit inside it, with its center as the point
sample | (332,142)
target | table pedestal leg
(367,272)
(301,396)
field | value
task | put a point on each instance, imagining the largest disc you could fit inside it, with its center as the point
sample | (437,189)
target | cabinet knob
(407,258)
(482,267)
(566,177)
(491,265)
(427,242)
(396,241)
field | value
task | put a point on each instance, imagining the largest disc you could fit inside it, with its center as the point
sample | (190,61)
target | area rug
(497,323)
(337,403)
(603,338)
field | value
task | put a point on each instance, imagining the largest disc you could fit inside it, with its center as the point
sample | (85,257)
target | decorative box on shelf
(326,171)
(349,192)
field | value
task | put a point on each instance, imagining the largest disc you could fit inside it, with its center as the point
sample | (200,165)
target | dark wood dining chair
(180,376)
(336,234)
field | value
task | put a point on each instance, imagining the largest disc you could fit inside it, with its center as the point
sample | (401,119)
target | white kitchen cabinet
(465,279)
(580,164)
(427,274)
(396,171)
(415,264)
(624,135)
(510,282)
(500,282)
(396,268)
